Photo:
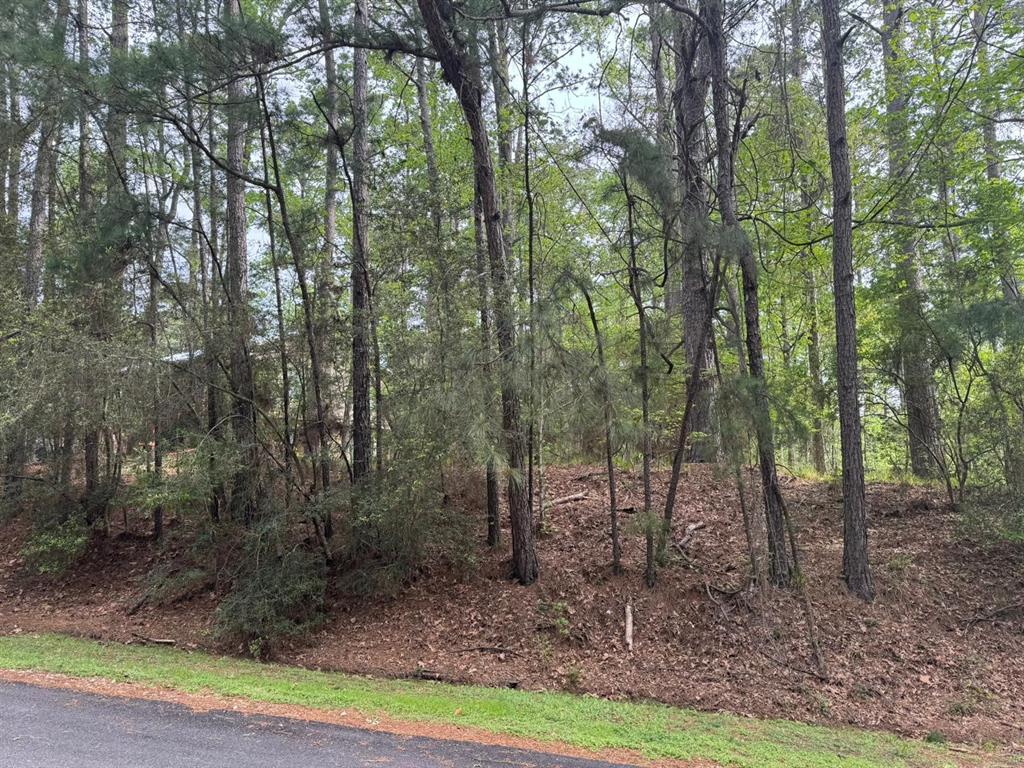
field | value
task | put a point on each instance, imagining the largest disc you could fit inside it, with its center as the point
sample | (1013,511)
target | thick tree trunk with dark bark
(361,428)
(691,87)
(856,571)
(464,75)
(244,489)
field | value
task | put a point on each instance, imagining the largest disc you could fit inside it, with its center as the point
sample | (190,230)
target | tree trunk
(151,321)
(42,178)
(212,312)
(609,447)
(1009,282)
(918,383)
(636,292)
(323,271)
(8,137)
(535,437)
(43,175)
(856,571)
(464,76)
(691,93)
(361,429)
(779,566)
(84,124)
(297,249)
(244,492)
(493,512)
(819,398)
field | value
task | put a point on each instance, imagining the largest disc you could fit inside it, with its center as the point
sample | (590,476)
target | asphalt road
(46,728)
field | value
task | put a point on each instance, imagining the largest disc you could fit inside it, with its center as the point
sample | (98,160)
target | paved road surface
(45,728)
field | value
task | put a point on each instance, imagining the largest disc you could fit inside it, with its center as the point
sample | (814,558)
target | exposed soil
(933,653)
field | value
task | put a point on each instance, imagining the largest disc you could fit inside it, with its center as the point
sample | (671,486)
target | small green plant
(557,615)
(900,564)
(936,737)
(55,547)
(962,708)
(574,677)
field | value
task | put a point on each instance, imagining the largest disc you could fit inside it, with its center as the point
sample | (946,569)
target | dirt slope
(913,662)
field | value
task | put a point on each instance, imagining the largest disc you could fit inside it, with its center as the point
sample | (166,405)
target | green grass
(652,730)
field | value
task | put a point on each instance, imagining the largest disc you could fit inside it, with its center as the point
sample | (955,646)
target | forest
(314,309)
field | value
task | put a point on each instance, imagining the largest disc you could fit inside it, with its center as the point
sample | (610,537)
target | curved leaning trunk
(462,72)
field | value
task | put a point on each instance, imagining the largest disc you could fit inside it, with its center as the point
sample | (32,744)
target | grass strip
(653,730)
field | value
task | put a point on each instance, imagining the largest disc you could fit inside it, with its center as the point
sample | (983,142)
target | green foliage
(276,593)
(557,615)
(993,515)
(401,523)
(644,162)
(55,547)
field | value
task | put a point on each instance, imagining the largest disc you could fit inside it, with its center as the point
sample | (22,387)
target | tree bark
(691,89)
(636,293)
(856,570)
(780,567)
(323,271)
(493,511)
(360,193)
(918,383)
(607,411)
(464,76)
(244,492)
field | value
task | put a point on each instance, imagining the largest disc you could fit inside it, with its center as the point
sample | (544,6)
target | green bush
(276,594)
(400,524)
(55,547)
(993,515)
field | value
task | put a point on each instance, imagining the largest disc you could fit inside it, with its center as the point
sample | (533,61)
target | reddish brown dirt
(912,662)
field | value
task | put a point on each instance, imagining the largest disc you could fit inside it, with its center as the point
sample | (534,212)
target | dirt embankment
(932,653)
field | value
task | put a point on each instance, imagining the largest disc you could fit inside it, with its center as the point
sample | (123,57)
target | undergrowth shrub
(400,523)
(168,585)
(993,515)
(277,591)
(56,545)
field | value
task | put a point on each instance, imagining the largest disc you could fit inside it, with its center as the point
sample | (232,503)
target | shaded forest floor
(932,655)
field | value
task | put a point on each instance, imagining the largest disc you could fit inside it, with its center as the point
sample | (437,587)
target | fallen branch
(794,667)
(154,640)
(691,531)
(629,624)
(567,499)
(992,615)
(489,649)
